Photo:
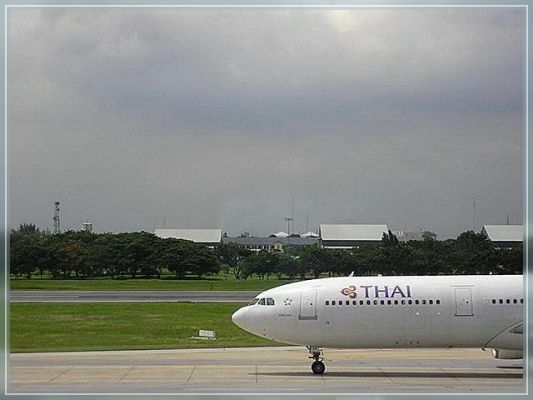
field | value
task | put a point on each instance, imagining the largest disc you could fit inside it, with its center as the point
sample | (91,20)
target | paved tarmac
(264,371)
(142,296)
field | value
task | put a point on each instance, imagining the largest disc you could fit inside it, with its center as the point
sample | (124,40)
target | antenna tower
(57,223)
(289,220)
(474,217)
(87,226)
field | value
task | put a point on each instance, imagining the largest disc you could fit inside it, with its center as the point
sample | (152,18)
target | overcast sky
(138,118)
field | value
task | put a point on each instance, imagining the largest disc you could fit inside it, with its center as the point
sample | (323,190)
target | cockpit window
(261,302)
(270,302)
(253,302)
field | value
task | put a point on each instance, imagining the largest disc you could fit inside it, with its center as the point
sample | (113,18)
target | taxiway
(142,296)
(264,370)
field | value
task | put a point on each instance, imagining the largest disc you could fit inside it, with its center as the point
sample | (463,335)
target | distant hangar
(504,236)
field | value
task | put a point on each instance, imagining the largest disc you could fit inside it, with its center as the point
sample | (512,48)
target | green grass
(145,284)
(110,326)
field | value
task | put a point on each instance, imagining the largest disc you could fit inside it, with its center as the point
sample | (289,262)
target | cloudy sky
(138,118)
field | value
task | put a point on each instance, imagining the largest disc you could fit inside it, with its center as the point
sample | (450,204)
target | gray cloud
(217,117)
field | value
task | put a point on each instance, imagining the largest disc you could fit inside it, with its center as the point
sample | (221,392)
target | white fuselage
(392,312)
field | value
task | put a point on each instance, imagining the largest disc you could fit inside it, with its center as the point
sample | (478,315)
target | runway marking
(61,373)
(448,375)
(190,376)
(386,375)
(127,372)
(255,373)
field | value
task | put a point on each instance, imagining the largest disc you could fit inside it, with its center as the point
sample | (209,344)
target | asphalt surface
(265,371)
(49,296)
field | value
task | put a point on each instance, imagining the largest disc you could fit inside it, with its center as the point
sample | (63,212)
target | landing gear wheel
(316,353)
(318,367)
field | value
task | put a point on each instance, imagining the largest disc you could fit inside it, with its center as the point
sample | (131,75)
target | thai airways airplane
(483,311)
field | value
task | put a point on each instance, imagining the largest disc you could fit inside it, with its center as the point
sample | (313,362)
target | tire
(318,367)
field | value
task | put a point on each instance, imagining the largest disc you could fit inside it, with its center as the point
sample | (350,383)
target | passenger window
(347,302)
(431,302)
(500,301)
(395,302)
(333,303)
(514,301)
(389,302)
(368,302)
(416,302)
(270,302)
(354,302)
(261,302)
(382,302)
(521,301)
(361,302)
(424,302)
(327,302)
(437,301)
(493,301)
(507,301)
(403,302)
(409,302)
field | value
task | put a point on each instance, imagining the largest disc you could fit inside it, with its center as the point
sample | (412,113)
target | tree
(427,257)
(395,256)
(472,253)
(287,265)
(317,260)
(511,260)
(26,253)
(262,263)
(231,254)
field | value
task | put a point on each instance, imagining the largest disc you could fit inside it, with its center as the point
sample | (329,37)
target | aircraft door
(463,302)
(308,298)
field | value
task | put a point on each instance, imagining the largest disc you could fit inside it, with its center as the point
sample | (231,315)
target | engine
(507,354)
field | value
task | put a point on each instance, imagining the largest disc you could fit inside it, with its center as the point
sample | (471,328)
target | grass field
(111,326)
(145,284)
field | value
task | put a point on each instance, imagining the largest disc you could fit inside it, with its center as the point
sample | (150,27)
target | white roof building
(202,236)
(281,234)
(348,236)
(310,234)
(504,233)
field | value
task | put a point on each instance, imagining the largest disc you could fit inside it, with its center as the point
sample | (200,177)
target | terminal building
(207,237)
(272,244)
(344,236)
(504,236)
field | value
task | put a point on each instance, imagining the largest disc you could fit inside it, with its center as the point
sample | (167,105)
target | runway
(264,371)
(144,296)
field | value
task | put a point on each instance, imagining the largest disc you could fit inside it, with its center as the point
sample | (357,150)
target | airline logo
(349,291)
(377,292)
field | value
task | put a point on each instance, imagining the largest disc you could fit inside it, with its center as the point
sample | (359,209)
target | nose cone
(238,317)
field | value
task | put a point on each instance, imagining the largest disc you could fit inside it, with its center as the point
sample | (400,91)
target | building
(348,236)
(406,236)
(272,244)
(310,234)
(280,235)
(504,236)
(207,237)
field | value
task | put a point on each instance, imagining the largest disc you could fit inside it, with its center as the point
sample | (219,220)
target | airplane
(439,311)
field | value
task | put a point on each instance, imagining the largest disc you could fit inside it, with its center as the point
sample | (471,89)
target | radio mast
(57,222)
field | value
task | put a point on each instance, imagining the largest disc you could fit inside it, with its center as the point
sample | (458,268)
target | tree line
(80,254)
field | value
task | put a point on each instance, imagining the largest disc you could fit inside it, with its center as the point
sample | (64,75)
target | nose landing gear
(316,353)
